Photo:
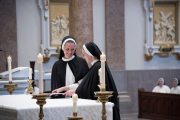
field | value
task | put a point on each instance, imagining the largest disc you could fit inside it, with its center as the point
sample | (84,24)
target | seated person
(175,89)
(161,88)
(89,85)
(69,69)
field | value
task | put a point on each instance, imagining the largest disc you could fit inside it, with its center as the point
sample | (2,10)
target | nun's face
(160,82)
(69,50)
(174,82)
(86,56)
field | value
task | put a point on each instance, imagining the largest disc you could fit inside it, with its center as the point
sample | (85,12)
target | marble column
(81,22)
(115,34)
(8,33)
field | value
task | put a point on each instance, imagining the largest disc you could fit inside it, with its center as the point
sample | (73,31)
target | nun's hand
(57,90)
(69,92)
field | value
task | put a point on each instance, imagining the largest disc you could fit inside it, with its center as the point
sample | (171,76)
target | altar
(22,107)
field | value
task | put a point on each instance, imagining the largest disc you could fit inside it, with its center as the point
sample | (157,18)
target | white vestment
(175,90)
(70,79)
(163,89)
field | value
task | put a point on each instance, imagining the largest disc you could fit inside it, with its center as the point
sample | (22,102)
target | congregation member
(161,88)
(68,71)
(175,89)
(89,85)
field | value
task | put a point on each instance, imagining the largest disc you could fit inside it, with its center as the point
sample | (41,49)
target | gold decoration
(145,41)
(166,49)
(45,18)
(178,56)
(150,56)
(152,3)
(75,117)
(150,9)
(47,2)
(103,97)
(46,8)
(46,58)
(10,87)
(150,19)
(41,100)
(41,41)
(30,89)
(58,49)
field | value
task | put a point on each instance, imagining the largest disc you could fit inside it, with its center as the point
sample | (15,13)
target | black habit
(77,65)
(90,82)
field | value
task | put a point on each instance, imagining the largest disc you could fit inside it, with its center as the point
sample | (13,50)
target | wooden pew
(158,106)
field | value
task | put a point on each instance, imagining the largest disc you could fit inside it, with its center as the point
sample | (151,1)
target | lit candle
(30,73)
(40,60)
(100,73)
(103,59)
(75,98)
(9,67)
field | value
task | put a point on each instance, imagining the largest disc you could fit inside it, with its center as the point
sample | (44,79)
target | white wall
(28,31)
(134,41)
(99,23)
(29,34)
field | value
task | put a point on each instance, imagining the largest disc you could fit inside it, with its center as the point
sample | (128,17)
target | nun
(69,70)
(89,85)
(161,88)
(175,89)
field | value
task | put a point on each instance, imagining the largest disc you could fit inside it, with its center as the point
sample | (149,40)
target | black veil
(110,85)
(61,51)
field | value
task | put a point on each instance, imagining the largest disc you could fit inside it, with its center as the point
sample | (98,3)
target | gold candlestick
(75,117)
(10,87)
(103,96)
(41,100)
(30,89)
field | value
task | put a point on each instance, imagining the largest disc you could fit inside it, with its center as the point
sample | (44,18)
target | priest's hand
(69,92)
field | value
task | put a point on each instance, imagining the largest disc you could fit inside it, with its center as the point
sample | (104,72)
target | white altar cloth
(22,107)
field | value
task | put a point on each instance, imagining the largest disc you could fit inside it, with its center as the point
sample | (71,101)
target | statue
(59,29)
(63,27)
(157,28)
(165,29)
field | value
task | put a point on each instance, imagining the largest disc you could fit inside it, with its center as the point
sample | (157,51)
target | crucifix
(164,18)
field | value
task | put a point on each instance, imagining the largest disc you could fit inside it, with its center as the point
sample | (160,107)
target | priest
(89,85)
(68,71)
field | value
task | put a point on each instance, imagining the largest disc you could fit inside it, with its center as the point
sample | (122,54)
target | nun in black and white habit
(69,69)
(89,85)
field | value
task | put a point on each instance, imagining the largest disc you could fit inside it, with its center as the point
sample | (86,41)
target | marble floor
(131,116)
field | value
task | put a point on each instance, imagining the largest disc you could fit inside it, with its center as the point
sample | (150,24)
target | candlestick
(40,60)
(9,67)
(75,98)
(103,97)
(30,73)
(103,59)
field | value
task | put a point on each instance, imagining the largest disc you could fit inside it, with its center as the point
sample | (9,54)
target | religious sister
(69,69)
(89,85)
(161,88)
(175,89)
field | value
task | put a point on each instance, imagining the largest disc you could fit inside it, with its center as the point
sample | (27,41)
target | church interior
(139,39)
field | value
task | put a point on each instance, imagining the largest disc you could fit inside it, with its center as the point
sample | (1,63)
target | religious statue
(165,29)
(59,29)
(63,27)
(157,28)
